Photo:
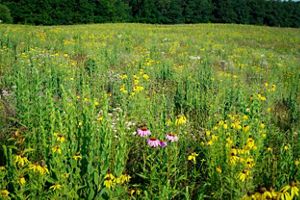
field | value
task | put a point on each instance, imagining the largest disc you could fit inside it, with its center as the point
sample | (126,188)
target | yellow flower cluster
(133,191)
(137,81)
(180,120)
(59,137)
(22,181)
(20,160)
(39,168)
(111,181)
(261,97)
(193,157)
(56,186)
(4,193)
(288,192)
(270,87)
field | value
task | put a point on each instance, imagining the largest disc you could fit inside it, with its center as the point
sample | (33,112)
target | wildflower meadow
(135,111)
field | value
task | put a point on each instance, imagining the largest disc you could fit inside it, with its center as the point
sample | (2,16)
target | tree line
(55,12)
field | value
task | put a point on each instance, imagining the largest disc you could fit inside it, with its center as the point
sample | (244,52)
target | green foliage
(5,15)
(261,12)
(75,99)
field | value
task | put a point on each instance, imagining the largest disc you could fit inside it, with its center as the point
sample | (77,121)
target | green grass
(73,97)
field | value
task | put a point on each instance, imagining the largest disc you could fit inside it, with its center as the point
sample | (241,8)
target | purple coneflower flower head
(153,142)
(172,137)
(143,132)
(163,144)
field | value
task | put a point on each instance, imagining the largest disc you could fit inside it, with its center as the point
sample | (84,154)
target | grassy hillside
(134,111)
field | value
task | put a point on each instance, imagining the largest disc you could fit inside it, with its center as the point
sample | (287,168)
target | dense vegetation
(53,12)
(130,111)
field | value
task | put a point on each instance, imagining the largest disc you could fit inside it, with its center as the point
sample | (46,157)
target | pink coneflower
(172,137)
(153,142)
(163,144)
(143,132)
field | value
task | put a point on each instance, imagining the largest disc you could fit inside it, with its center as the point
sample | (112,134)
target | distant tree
(271,17)
(198,11)
(63,11)
(256,11)
(5,15)
(84,11)
(149,12)
(111,11)
(174,12)
(242,11)
(48,12)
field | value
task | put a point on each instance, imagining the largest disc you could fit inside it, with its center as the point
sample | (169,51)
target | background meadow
(133,111)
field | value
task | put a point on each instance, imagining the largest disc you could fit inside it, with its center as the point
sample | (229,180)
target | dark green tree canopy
(5,16)
(54,12)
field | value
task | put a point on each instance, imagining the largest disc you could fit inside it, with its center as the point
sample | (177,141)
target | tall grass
(75,98)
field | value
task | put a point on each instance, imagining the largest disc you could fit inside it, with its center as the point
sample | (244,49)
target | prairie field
(136,111)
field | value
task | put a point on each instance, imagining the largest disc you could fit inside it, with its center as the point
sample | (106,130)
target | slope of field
(135,111)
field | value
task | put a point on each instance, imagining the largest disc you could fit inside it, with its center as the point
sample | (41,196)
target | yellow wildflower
(245,117)
(86,99)
(22,181)
(249,196)
(250,144)
(4,193)
(207,133)
(262,125)
(180,120)
(60,137)
(219,169)
(192,157)
(109,183)
(136,81)
(244,175)
(269,149)
(273,88)
(100,118)
(56,186)
(233,156)
(229,142)
(122,179)
(77,156)
(42,169)
(123,76)
(267,195)
(286,147)
(261,97)
(225,126)
(266,84)
(284,194)
(137,192)
(246,128)
(56,149)
(138,88)
(109,176)
(146,77)
(214,137)
(20,160)
(96,103)
(294,189)
(221,123)
(250,162)
(123,89)
(209,143)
